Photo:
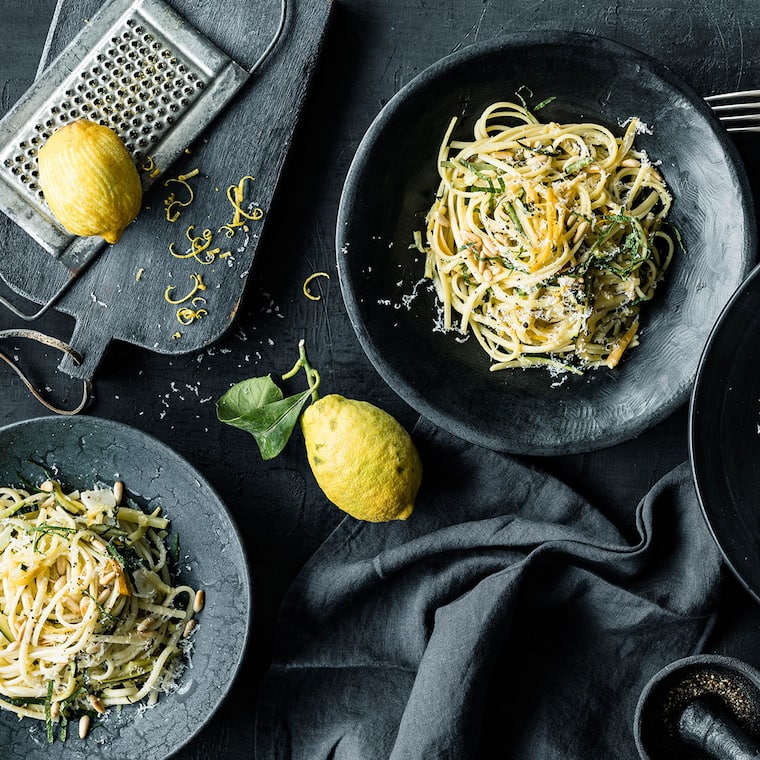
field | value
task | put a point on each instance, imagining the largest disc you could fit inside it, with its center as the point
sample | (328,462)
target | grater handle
(46,340)
(275,39)
(29,317)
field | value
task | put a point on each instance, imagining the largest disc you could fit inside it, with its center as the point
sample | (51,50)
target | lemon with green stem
(363,460)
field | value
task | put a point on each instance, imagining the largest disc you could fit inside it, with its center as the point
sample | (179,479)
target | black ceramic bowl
(724,433)
(83,452)
(391,184)
(724,691)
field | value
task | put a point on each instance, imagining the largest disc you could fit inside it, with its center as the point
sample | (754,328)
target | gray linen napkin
(506,612)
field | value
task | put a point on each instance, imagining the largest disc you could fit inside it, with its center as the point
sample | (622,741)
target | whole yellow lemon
(362,458)
(89,180)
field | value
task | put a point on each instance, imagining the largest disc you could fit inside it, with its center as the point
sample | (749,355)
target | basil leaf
(257,406)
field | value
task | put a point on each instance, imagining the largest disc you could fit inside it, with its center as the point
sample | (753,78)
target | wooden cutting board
(129,291)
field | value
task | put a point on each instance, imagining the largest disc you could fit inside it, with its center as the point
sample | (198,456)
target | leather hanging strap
(53,343)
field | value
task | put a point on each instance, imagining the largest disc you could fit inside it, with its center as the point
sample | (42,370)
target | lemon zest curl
(236,196)
(172,213)
(311,277)
(198,284)
(199,244)
(186,315)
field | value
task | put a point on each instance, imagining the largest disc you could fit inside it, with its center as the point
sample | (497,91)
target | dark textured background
(372,48)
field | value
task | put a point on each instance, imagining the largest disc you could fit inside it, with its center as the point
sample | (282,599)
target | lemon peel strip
(198,244)
(172,213)
(186,315)
(198,284)
(236,196)
(308,280)
(150,168)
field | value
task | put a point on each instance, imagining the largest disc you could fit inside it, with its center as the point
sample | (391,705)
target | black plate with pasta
(202,544)
(561,78)
(724,433)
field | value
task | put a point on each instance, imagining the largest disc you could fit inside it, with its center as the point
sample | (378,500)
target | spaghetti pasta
(89,617)
(544,239)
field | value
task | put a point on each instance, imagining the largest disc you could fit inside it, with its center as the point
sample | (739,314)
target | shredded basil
(540,151)
(41,530)
(513,216)
(576,166)
(48,713)
(544,103)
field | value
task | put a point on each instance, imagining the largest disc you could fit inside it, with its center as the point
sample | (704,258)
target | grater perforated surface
(136,86)
(137,68)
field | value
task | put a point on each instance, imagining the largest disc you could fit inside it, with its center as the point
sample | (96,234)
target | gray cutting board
(121,294)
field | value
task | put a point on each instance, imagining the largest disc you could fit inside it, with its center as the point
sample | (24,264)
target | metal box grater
(137,67)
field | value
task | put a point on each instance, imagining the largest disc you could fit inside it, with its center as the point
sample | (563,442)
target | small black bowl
(391,184)
(699,707)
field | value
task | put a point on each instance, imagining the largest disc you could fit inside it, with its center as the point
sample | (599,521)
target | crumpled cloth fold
(506,613)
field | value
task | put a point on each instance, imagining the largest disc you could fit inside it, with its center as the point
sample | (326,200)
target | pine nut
(108,579)
(60,583)
(55,709)
(189,628)
(84,726)
(97,705)
(630,163)
(84,605)
(48,486)
(61,564)
(93,648)
(199,601)
(144,624)
(118,491)
(580,231)
(103,596)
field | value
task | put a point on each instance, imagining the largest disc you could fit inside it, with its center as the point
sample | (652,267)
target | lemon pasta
(89,615)
(544,239)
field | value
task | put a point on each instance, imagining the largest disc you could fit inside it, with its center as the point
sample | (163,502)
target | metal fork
(739,111)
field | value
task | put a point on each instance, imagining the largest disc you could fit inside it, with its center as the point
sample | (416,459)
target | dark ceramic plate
(724,433)
(391,184)
(81,452)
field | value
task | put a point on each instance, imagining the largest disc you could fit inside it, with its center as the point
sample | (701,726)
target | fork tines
(738,111)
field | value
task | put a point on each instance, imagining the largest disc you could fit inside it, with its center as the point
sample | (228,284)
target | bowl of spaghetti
(535,237)
(119,568)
